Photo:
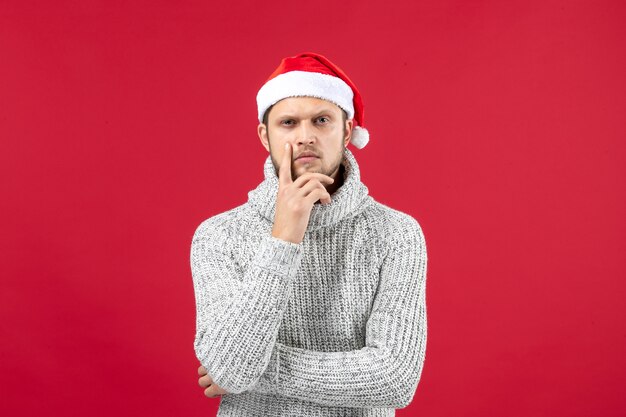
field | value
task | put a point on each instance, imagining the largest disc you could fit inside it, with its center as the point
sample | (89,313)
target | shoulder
(220,227)
(397,228)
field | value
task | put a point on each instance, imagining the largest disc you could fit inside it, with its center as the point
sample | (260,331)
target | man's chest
(333,290)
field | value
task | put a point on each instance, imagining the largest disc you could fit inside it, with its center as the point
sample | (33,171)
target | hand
(212,390)
(296,198)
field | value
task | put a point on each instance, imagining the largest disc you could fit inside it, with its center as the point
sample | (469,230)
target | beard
(323,166)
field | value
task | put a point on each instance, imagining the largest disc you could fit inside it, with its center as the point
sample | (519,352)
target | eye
(287,122)
(323,119)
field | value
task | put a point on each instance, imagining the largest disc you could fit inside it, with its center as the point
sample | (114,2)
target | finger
(306,189)
(284,171)
(314,184)
(325,199)
(205,381)
(202,370)
(317,194)
(212,392)
(299,182)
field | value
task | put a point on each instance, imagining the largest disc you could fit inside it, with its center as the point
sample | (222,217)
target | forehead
(304,106)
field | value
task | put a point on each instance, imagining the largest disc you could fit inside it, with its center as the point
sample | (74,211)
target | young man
(311,296)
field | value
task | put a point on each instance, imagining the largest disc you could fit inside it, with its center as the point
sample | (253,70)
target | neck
(349,196)
(338,177)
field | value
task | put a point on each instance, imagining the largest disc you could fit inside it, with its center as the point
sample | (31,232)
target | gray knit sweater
(332,326)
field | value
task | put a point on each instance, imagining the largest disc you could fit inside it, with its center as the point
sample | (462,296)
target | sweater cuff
(279,256)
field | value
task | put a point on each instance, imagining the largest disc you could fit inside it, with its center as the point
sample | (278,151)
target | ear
(348,131)
(262,132)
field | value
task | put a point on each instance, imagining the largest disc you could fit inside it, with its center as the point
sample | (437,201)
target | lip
(308,155)
(306,158)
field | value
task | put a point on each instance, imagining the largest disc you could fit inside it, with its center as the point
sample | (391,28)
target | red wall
(498,125)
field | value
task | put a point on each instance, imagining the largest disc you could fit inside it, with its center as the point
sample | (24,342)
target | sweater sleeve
(238,312)
(385,373)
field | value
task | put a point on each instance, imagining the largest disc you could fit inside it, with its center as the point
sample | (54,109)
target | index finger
(202,371)
(284,172)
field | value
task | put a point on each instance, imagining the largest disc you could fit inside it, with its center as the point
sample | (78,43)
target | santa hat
(312,75)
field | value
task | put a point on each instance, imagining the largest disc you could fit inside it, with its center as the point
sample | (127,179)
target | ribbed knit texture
(333,326)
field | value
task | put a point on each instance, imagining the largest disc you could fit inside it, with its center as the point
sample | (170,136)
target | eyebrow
(323,111)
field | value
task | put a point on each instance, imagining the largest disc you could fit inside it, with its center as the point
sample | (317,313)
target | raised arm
(238,312)
(384,373)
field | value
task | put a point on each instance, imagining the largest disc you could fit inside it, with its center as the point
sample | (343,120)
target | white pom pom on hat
(313,75)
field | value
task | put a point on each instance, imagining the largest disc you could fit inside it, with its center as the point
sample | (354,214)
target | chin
(305,169)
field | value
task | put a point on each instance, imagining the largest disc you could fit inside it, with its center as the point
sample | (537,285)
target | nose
(305,133)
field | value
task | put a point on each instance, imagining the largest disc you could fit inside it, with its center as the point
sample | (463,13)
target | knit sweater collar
(346,202)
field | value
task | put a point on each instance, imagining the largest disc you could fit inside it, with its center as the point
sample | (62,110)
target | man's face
(310,125)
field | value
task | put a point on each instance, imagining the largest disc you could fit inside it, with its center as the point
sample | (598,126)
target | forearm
(374,376)
(238,318)
(384,373)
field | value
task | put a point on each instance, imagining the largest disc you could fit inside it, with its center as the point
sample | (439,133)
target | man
(310,296)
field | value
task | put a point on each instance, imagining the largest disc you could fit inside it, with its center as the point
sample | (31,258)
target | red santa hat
(312,75)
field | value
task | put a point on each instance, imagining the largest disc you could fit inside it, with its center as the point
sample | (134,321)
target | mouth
(304,159)
(307,156)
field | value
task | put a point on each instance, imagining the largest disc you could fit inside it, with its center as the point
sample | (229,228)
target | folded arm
(385,372)
(238,311)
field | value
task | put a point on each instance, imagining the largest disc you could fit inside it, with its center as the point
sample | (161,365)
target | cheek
(278,138)
(335,137)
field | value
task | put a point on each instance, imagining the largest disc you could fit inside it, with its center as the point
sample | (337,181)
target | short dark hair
(266,115)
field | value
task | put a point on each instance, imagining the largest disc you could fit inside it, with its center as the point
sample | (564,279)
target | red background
(498,125)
